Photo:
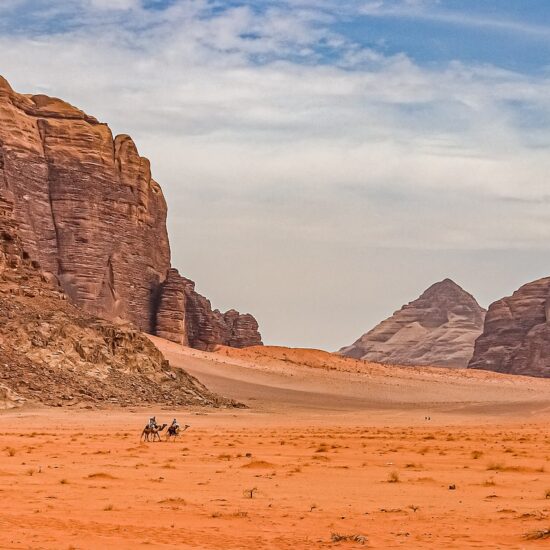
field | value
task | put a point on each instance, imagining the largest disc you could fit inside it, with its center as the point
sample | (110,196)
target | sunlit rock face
(516,335)
(90,213)
(437,329)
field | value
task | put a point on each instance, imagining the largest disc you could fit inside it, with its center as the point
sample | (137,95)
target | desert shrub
(393,477)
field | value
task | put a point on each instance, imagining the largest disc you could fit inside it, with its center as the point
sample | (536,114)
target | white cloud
(259,142)
(115,4)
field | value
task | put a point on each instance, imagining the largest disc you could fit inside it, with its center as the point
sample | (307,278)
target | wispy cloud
(278,138)
(434,10)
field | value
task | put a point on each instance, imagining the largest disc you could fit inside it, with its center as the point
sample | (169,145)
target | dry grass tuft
(337,537)
(100,475)
(174,500)
(538,535)
(249,493)
(393,477)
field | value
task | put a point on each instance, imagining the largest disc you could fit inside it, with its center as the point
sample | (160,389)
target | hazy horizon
(323,162)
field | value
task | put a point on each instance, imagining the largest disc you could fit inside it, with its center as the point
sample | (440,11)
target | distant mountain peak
(439,328)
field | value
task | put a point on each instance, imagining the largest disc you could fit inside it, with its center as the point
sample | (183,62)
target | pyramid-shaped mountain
(437,329)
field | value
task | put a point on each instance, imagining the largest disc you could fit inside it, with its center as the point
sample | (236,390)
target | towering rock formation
(516,335)
(90,213)
(437,329)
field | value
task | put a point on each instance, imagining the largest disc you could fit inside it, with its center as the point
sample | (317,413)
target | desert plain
(329,453)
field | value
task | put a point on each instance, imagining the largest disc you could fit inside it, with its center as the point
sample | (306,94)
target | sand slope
(280,379)
(396,458)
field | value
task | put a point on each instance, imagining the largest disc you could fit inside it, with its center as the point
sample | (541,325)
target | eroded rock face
(89,211)
(516,334)
(54,353)
(206,328)
(437,329)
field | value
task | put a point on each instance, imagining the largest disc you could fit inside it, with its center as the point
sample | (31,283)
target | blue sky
(324,162)
(511,34)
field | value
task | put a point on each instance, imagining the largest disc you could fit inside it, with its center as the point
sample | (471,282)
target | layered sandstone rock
(54,353)
(207,328)
(437,329)
(516,335)
(91,214)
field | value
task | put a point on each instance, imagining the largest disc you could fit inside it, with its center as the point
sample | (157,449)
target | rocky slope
(91,214)
(516,335)
(437,329)
(54,353)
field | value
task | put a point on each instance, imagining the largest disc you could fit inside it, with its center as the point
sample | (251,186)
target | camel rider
(175,426)
(153,423)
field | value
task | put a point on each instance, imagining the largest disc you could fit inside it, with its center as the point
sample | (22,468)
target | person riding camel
(153,423)
(175,426)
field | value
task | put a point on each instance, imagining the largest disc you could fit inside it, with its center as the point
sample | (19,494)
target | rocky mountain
(91,214)
(516,335)
(54,353)
(437,329)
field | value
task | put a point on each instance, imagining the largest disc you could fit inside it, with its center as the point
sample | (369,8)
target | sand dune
(282,379)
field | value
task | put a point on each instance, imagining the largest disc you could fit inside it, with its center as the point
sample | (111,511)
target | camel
(155,432)
(174,432)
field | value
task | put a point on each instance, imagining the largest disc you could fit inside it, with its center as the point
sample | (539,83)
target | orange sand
(350,456)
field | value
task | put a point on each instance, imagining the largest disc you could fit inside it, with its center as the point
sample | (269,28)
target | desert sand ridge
(278,377)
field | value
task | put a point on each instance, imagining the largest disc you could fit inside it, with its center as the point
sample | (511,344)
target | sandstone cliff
(54,353)
(516,335)
(437,329)
(91,214)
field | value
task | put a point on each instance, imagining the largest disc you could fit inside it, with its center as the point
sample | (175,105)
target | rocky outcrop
(437,329)
(89,211)
(54,353)
(516,334)
(207,328)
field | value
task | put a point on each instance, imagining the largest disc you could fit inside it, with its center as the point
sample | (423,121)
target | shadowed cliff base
(54,353)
